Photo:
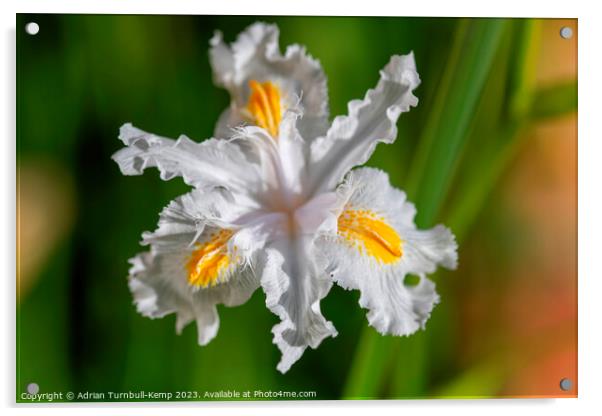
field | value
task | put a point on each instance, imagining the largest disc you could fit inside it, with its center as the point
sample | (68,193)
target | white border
(590,201)
(506,8)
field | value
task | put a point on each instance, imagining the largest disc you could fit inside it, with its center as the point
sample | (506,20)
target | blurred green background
(490,151)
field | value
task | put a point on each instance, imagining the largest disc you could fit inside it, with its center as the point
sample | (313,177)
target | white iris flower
(277,205)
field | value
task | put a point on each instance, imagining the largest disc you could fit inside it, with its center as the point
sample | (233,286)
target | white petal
(259,228)
(370,187)
(292,152)
(158,285)
(294,288)
(207,321)
(210,163)
(255,55)
(148,302)
(190,213)
(282,161)
(394,308)
(159,290)
(158,279)
(318,215)
(227,122)
(351,139)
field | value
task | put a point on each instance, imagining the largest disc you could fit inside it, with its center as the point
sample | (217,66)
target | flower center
(208,260)
(371,235)
(264,105)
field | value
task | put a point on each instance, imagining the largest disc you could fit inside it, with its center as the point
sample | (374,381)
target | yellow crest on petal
(264,106)
(371,235)
(209,260)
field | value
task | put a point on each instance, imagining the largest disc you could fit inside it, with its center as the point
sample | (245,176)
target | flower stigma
(371,235)
(264,105)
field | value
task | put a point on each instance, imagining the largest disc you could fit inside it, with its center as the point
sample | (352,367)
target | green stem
(446,130)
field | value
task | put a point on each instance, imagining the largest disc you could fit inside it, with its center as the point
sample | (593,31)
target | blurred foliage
(83,76)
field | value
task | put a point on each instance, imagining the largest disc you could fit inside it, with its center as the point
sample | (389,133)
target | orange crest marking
(209,260)
(264,106)
(371,235)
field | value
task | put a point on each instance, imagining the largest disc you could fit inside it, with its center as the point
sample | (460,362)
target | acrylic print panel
(248,192)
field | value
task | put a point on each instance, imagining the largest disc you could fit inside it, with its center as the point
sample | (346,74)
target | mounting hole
(566,32)
(566,384)
(33,388)
(32,28)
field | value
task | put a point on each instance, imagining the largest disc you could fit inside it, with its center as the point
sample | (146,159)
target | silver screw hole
(566,32)
(33,388)
(32,28)
(566,384)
